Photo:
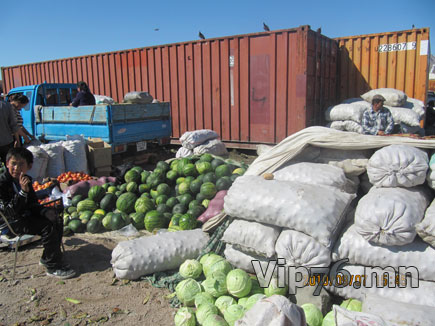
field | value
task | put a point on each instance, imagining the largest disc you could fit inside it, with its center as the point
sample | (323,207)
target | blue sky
(34,31)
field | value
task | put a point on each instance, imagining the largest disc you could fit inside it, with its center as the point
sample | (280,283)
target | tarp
(326,138)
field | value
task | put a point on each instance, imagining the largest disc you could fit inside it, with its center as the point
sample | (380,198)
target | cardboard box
(103,171)
(99,154)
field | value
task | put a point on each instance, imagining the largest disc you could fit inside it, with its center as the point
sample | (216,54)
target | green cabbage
(223,302)
(313,315)
(253,300)
(220,265)
(191,268)
(243,301)
(239,283)
(234,313)
(329,319)
(204,311)
(216,284)
(186,291)
(352,304)
(202,298)
(274,289)
(215,320)
(210,261)
(256,288)
(185,317)
(205,257)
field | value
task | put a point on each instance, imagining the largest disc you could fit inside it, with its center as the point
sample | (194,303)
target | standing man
(377,120)
(8,129)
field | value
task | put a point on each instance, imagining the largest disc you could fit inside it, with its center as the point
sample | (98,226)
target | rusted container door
(394,60)
(254,88)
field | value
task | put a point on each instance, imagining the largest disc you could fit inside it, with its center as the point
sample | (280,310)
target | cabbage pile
(215,294)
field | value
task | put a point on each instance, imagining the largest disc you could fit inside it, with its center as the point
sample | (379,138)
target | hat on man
(378,97)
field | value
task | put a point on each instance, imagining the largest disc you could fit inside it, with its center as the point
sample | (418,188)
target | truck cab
(48,116)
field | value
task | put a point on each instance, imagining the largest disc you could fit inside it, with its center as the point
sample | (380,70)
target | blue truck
(49,117)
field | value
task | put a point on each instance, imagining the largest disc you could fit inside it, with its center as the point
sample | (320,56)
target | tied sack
(393,97)
(398,166)
(252,237)
(315,210)
(387,216)
(426,228)
(150,254)
(191,139)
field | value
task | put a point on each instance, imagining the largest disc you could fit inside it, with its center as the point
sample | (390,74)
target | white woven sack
(347,111)
(243,260)
(313,173)
(359,251)
(276,310)
(299,249)
(398,166)
(212,146)
(312,209)
(387,216)
(40,162)
(252,237)
(344,317)
(399,313)
(102,99)
(346,125)
(183,152)
(426,228)
(352,162)
(149,254)
(416,105)
(415,292)
(191,139)
(75,156)
(404,115)
(393,97)
(56,163)
(138,97)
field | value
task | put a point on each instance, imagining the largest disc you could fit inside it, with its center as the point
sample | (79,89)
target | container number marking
(404,46)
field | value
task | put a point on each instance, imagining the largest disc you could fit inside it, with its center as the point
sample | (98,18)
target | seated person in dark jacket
(19,205)
(84,96)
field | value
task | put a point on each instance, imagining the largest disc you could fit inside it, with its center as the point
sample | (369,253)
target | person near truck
(19,101)
(84,95)
(20,207)
(377,120)
(8,129)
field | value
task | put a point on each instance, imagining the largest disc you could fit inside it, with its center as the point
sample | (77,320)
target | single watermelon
(143,187)
(137,219)
(163,189)
(203,167)
(108,203)
(125,203)
(161,199)
(163,208)
(208,189)
(172,175)
(171,202)
(196,211)
(209,177)
(76,225)
(195,186)
(223,183)
(144,175)
(143,205)
(86,205)
(137,168)
(163,166)
(223,170)
(132,175)
(93,226)
(96,193)
(179,208)
(206,157)
(132,187)
(116,222)
(76,199)
(216,162)
(175,219)
(184,188)
(154,220)
(187,222)
(190,170)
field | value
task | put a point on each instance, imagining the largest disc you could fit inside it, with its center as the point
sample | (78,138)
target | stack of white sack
(40,163)
(309,206)
(102,99)
(407,112)
(387,220)
(199,142)
(347,116)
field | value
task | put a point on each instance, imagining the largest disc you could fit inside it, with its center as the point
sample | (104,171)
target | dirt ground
(36,299)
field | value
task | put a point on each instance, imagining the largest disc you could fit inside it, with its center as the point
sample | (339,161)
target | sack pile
(296,216)
(384,233)
(199,142)
(407,112)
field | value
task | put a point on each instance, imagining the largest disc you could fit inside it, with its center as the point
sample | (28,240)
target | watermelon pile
(171,196)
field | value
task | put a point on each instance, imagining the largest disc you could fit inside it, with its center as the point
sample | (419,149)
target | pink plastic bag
(215,206)
(82,187)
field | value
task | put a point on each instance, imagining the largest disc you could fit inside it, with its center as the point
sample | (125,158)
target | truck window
(51,97)
(64,96)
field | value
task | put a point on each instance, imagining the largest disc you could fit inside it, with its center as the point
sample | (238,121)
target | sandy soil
(36,299)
